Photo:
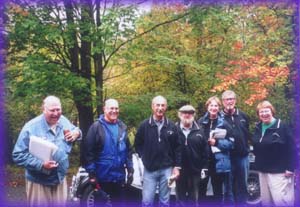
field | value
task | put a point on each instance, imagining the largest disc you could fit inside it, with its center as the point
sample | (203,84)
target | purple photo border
(4,153)
(2,106)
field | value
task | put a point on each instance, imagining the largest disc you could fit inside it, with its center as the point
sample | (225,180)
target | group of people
(189,152)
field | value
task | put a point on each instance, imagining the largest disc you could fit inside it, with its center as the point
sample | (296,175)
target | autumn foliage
(256,73)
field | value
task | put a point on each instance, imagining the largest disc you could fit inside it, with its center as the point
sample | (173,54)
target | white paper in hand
(215,149)
(41,148)
(218,133)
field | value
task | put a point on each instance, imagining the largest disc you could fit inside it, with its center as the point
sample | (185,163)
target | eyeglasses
(228,99)
(187,112)
(265,111)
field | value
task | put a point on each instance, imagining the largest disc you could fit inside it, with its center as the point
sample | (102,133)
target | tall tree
(261,55)
(64,48)
(214,48)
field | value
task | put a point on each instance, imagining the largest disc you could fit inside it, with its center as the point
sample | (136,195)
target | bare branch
(143,33)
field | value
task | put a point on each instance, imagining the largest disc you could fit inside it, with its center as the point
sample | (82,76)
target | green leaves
(180,52)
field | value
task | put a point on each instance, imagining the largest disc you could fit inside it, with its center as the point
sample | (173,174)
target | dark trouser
(187,189)
(222,187)
(116,192)
(240,171)
(203,189)
(217,180)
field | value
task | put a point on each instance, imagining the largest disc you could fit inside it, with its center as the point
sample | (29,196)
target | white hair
(49,100)
(158,98)
(111,101)
(228,93)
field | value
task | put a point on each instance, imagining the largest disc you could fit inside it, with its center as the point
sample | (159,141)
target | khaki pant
(46,196)
(276,189)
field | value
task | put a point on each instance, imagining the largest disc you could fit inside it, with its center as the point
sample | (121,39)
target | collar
(183,127)
(47,126)
(103,121)
(206,118)
(236,112)
(152,121)
(275,125)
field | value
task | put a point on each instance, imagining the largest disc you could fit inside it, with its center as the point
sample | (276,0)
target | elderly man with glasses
(239,123)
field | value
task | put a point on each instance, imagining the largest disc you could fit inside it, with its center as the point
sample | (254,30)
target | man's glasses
(229,99)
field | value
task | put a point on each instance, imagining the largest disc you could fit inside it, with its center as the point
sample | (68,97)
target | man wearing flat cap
(194,157)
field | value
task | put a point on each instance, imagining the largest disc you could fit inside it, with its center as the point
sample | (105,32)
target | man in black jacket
(239,123)
(194,158)
(157,143)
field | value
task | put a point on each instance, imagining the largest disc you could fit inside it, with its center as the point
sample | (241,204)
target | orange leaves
(255,73)
(14,8)
(238,45)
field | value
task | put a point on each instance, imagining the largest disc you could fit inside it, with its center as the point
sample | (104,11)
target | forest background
(85,51)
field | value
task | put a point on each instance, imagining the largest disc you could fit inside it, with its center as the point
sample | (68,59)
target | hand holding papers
(41,148)
(216,134)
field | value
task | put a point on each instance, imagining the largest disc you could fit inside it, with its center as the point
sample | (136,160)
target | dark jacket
(220,161)
(239,123)
(105,156)
(274,152)
(194,149)
(158,152)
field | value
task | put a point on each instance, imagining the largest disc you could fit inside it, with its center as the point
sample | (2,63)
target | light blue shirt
(40,128)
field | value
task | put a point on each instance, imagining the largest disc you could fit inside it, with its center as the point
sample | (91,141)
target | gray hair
(156,98)
(110,101)
(228,93)
(51,99)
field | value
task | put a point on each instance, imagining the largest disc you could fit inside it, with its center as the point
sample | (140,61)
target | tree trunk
(82,97)
(98,64)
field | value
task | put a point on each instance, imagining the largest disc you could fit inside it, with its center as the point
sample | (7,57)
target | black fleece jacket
(275,151)
(239,123)
(194,149)
(158,152)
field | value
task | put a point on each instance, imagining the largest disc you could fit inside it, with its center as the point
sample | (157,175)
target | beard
(229,109)
(187,122)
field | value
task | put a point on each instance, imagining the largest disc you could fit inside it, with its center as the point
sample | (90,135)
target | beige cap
(187,108)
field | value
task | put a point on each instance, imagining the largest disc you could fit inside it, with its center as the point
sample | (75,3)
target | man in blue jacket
(158,145)
(108,153)
(46,184)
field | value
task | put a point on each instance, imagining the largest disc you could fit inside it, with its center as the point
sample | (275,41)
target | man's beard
(188,122)
(230,109)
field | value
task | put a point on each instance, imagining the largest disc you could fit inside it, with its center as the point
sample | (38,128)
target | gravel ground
(15,186)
